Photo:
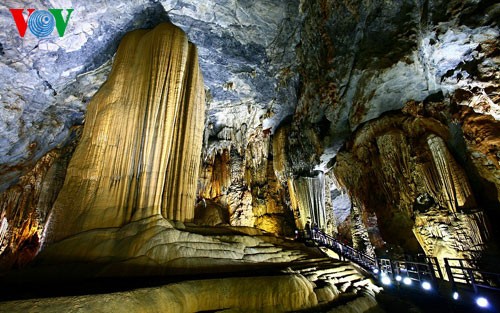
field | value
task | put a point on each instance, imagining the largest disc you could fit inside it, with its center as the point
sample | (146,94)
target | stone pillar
(140,150)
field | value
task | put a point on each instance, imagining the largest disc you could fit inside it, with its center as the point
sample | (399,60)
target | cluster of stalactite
(401,169)
(310,194)
(241,185)
(266,185)
(26,206)
(140,149)
(309,191)
(446,181)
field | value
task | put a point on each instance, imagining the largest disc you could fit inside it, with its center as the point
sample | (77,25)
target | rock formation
(26,206)
(323,283)
(140,149)
(244,182)
(376,120)
(400,168)
(310,195)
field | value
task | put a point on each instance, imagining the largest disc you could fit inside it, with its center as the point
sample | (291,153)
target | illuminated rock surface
(303,285)
(140,149)
(413,184)
(154,246)
(376,119)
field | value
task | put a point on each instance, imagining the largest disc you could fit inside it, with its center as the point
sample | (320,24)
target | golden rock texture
(446,235)
(280,161)
(302,286)
(310,194)
(25,206)
(400,168)
(140,150)
(157,246)
(244,182)
(452,185)
(482,135)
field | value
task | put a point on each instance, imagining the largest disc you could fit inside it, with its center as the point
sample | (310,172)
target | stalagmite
(140,150)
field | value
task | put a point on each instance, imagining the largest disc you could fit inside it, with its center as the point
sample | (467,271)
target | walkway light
(399,278)
(407,281)
(482,302)
(426,285)
(455,295)
(386,280)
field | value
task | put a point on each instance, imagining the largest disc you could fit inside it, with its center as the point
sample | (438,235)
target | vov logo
(41,22)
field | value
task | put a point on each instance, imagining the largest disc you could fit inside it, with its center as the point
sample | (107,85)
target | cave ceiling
(333,65)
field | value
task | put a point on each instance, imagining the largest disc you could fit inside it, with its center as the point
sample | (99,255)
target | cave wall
(243,182)
(246,53)
(26,206)
(286,84)
(360,60)
(401,167)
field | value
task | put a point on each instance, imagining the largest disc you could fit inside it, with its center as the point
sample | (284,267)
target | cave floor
(60,280)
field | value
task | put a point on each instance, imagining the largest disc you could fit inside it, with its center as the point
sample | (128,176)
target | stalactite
(429,179)
(393,162)
(394,169)
(310,194)
(256,158)
(216,175)
(243,180)
(454,184)
(141,145)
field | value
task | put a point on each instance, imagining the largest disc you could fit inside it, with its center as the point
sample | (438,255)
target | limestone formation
(482,136)
(454,188)
(280,157)
(243,180)
(140,149)
(445,235)
(302,286)
(376,120)
(310,194)
(156,246)
(401,169)
(26,206)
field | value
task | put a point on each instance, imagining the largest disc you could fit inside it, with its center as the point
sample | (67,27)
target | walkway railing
(460,273)
(344,251)
(426,273)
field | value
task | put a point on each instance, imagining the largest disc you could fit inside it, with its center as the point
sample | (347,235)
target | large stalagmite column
(140,150)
